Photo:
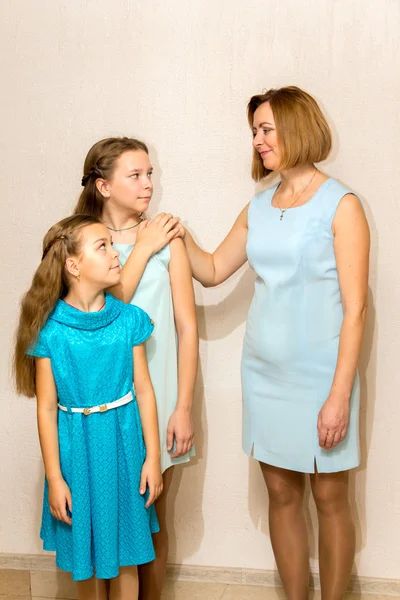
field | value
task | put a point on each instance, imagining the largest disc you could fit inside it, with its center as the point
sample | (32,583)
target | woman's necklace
(283,210)
(124,228)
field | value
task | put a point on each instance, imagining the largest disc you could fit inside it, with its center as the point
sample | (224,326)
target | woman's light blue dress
(101,454)
(292,336)
(153,295)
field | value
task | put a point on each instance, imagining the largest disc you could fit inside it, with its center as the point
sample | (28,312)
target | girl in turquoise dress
(74,352)
(155,276)
(307,239)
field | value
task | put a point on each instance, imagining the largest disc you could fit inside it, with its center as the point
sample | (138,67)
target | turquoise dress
(153,295)
(101,454)
(292,335)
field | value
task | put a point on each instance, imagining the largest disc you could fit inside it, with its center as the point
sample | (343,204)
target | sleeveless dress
(292,335)
(101,454)
(153,295)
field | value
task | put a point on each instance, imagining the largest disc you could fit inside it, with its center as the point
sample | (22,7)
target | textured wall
(178,74)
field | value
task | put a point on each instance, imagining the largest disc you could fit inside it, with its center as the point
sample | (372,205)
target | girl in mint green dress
(155,276)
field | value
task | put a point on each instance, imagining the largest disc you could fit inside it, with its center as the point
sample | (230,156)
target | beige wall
(178,74)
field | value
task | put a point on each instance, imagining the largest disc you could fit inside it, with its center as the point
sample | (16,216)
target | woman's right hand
(59,499)
(180,231)
(154,235)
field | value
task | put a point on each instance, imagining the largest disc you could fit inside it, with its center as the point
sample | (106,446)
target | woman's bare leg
(336,532)
(288,529)
(152,575)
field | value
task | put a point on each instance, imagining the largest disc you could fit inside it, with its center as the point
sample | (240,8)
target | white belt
(101,408)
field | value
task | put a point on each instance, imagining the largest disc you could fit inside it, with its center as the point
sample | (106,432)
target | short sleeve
(140,323)
(40,349)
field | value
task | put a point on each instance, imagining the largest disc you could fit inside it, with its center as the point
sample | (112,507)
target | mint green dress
(153,295)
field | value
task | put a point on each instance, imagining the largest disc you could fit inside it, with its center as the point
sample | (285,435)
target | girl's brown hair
(100,163)
(303,132)
(49,283)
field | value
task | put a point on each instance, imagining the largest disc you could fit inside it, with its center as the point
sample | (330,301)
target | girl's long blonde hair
(49,284)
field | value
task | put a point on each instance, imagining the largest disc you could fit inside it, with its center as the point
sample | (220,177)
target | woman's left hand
(180,427)
(333,420)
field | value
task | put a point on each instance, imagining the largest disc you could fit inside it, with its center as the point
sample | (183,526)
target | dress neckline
(73,317)
(275,187)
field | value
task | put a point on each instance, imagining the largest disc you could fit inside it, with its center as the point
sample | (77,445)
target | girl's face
(265,139)
(97,264)
(131,187)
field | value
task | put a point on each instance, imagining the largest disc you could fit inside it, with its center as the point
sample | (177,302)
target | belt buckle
(87,411)
(103,408)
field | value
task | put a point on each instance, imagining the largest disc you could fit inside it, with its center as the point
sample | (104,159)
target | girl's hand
(151,477)
(180,427)
(154,235)
(59,500)
(333,420)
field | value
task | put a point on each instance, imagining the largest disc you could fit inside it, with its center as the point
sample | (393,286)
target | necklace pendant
(281,217)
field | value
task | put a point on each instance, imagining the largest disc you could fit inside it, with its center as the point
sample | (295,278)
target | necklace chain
(124,228)
(283,210)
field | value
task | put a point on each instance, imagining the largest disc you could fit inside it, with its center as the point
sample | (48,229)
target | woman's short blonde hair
(303,133)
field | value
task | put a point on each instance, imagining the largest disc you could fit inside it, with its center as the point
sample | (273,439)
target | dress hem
(180,460)
(274,461)
(83,574)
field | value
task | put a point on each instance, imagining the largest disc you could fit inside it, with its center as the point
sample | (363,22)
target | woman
(307,238)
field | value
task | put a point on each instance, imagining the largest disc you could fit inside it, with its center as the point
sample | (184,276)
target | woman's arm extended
(213,269)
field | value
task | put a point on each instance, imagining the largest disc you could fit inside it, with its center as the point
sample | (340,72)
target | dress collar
(78,319)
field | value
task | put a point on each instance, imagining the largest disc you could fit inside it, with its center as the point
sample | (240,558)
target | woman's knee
(285,488)
(330,493)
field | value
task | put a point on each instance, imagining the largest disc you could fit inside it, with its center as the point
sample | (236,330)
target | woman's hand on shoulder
(59,500)
(151,478)
(157,233)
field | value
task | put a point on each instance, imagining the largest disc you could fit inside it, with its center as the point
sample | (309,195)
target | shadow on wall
(221,319)
(368,399)
(192,530)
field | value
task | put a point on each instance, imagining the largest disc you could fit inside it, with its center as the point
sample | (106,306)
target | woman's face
(265,139)
(131,187)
